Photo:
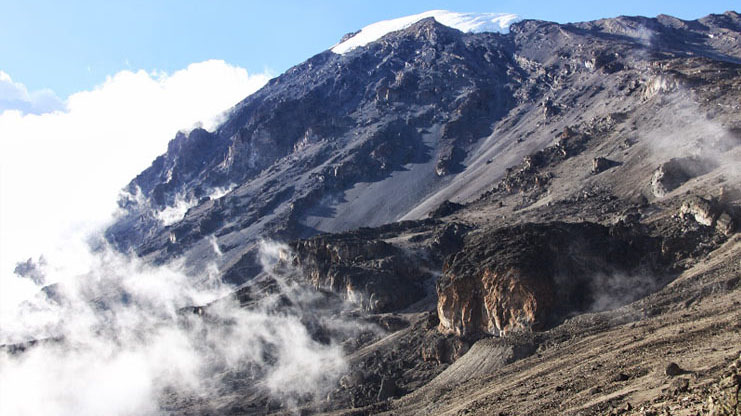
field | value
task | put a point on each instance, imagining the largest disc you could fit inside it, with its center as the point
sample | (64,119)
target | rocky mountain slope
(538,221)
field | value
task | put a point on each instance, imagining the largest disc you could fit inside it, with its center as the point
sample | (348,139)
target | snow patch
(465,22)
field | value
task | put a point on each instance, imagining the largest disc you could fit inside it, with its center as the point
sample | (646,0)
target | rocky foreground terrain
(538,222)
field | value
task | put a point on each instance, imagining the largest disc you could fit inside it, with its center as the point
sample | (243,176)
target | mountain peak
(465,22)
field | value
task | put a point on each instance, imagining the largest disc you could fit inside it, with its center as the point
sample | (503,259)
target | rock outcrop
(708,212)
(601,164)
(531,276)
(371,273)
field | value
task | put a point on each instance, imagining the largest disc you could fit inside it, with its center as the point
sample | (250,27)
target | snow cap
(465,22)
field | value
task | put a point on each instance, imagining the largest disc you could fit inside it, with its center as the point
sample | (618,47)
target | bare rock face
(498,302)
(513,300)
(422,99)
(374,274)
(660,84)
(709,213)
(701,210)
(530,276)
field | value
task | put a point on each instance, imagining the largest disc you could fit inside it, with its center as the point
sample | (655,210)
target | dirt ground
(613,362)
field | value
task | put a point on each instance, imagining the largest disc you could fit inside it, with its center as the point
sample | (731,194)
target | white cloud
(122,345)
(60,172)
(15,96)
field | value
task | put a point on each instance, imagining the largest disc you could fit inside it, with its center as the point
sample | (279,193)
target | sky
(73,45)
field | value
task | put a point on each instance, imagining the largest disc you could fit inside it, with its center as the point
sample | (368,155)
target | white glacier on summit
(465,22)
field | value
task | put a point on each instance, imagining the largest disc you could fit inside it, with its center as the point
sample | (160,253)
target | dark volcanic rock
(672,369)
(445,209)
(371,273)
(531,276)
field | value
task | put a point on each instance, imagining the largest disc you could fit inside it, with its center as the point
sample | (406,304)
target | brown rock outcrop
(601,164)
(533,275)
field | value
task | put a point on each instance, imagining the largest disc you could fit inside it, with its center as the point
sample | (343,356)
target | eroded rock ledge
(370,272)
(532,276)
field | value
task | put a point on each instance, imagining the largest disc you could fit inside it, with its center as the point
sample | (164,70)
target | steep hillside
(390,130)
(536,222)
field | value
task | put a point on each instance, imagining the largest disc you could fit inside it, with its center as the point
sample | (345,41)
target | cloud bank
(123,338)
(62,166)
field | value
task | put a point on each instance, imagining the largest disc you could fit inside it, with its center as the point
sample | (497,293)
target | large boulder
(709,213)
(672,174)
(703,211)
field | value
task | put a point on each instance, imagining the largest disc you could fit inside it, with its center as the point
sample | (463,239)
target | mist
(128,338)
(692,131)
(88,330)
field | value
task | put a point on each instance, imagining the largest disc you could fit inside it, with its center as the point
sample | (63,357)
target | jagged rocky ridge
(589,166)
(297,146)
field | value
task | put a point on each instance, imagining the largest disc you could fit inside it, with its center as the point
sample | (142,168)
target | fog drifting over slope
(122,340)
(113,319)
(109,333)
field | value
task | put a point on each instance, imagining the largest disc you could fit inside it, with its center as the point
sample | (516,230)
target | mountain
(322,147)
(539,219)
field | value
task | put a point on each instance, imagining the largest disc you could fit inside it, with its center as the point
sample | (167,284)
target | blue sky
(73,45)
